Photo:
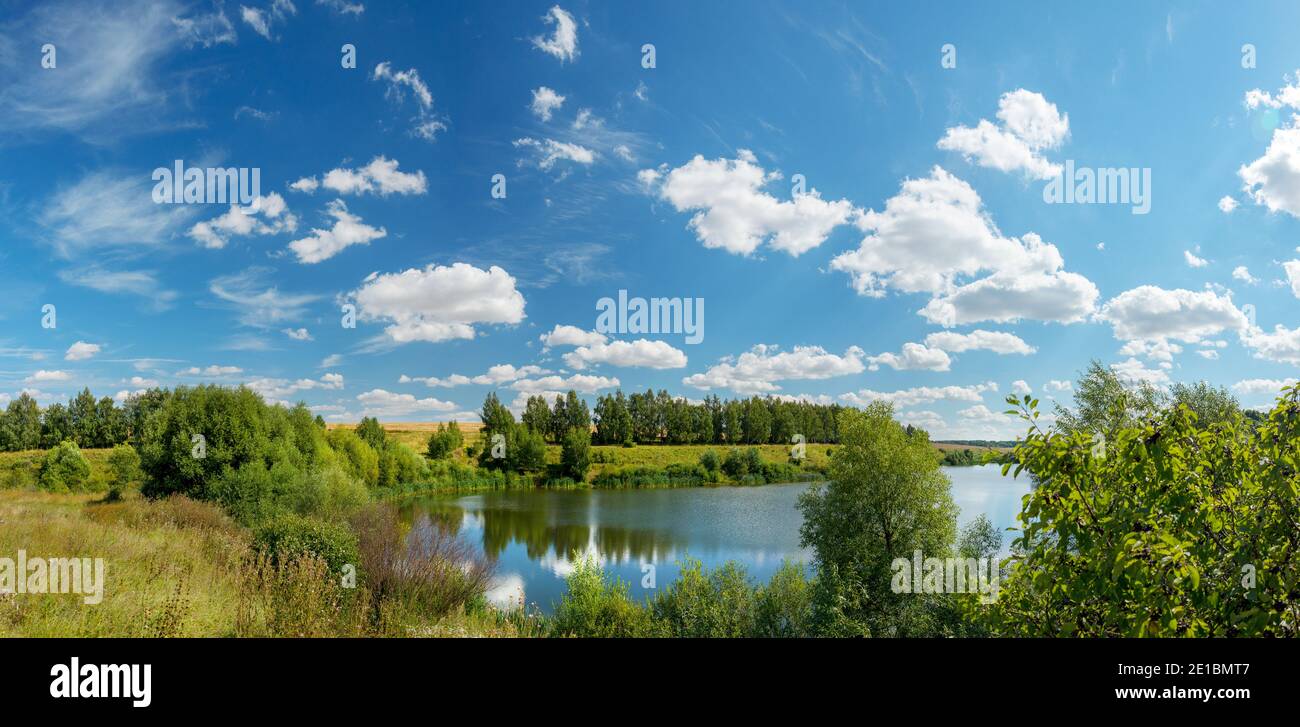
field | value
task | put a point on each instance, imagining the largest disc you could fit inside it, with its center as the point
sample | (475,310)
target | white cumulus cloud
(439,303)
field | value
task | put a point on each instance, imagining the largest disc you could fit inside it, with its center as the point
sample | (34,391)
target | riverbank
(176,567)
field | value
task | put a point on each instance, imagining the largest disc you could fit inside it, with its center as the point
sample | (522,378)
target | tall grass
(178,567)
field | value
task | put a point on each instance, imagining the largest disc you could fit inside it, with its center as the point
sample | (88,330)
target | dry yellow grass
(166,572)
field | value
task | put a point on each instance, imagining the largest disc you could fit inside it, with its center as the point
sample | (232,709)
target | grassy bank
(177,567)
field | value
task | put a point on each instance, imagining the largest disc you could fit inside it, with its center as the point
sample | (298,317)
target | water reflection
(532,535)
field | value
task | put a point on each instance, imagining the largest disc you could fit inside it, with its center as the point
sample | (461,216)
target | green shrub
(720,603)
(736,464)
(784,607)
(124,470)
(358,457)
(64,469)
(444,442)
(288,536)
(399,464)
(1173,529)
(596,608)
(525,450)
(710,461)
(327,491)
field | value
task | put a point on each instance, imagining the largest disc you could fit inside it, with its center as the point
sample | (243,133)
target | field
(606,457)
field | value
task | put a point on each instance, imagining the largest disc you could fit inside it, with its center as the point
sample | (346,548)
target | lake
(531,533)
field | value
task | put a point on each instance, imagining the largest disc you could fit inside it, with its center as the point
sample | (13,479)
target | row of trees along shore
(617,418)
(649,418)
(660,418)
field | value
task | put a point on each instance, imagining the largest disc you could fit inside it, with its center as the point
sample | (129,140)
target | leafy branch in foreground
(1157,527)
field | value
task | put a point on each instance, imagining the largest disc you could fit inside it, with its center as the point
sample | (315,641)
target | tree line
(85,420)
(659,418)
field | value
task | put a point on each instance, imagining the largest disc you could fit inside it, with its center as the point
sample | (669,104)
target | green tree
(497,422)
(577,414)
(200,434)
(677,422)
(56,426)
(64,469)
(525,450)
(358,459)
(886,499)
(613,422)
(123,470)
(758,421)
(113,428)
(1211,404)
(1104,403)
(979,539)
(496,417)
(733,418)
(575,454)
(537,416)
(139,407)
(444,442)
(22,424)
(372,433)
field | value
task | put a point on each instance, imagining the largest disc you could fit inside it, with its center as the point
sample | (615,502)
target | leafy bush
(736,465)
(596,608)
(329,491)
(960,458)
(64,469)
(720,603)
(124,470)
(288,536)
(372,433)
(399,464)
(201,433)
(709,461)
(784,605)
(358,457)
(444,442)
(645,476)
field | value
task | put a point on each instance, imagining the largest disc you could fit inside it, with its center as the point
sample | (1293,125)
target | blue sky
(918,262)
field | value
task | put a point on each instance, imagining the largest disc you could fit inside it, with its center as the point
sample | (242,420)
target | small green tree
(537,416)
(575,454)
(1210,404)
(123,469)
(886,499)
(709,461)
(525,450)
(64,469)
(444,442)
(372,433)
(979,539)
(734,465)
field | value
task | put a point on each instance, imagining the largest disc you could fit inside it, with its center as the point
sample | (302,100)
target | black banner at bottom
(219,677)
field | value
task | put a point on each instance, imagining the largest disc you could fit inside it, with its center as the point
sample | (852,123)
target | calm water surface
(532,533)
